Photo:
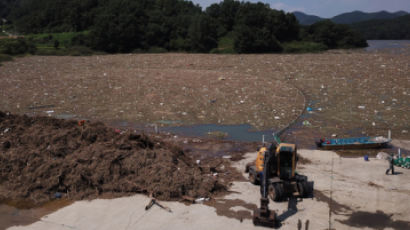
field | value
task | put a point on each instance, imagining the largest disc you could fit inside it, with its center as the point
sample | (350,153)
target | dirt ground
(350,193)
(349,92)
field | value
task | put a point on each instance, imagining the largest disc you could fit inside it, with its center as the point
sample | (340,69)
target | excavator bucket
(263,216)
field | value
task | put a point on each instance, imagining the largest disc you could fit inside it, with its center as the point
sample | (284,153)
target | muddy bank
(43,158)
(12,216)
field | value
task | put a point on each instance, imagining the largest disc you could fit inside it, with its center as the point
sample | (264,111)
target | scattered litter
(227,157)
(306,123)
(334,135)
(41,107)
(198,161)
(361,107)
(117,130)
(49,111)
(58,195)
(188,198)
(277,118)
(200,200)
(6,130)
(342,80)
(155,91)
(382,156)
(309,109)
(154,201)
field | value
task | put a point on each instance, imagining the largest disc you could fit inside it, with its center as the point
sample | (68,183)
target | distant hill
(358,16)
(348,18)
(384,29)
(306,19)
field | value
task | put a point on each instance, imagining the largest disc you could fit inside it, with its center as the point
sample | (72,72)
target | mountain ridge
(349,17)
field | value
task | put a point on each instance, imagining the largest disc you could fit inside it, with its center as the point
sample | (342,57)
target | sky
(328,8)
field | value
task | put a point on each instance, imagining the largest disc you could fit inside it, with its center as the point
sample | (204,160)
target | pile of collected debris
(43,158)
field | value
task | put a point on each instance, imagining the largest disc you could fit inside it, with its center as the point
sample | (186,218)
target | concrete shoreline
(345,188)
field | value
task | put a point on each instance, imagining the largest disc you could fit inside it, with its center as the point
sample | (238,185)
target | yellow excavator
(283,180)
(275,170)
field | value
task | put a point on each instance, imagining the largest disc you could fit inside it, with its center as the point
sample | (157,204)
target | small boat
(354,142)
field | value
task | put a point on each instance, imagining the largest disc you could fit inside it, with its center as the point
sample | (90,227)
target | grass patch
(48,39)
(2,34)
(156,49)
(71,51)
(303,47)
(225,45)
(61,44)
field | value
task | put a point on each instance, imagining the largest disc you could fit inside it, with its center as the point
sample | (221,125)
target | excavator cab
(286,160)
(255,169)
(283,181)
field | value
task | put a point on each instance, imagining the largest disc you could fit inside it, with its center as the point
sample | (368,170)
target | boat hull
(354,146)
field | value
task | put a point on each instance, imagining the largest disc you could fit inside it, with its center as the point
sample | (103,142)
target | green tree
(56,44)
(119,27)
(334,36)
(255,30)
(225,15)
(16,46)
(203,34)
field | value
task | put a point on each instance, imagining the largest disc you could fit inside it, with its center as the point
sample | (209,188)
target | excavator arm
(263,216)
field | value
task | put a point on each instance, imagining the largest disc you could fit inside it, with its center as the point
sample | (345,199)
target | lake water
(243,132)
(387,45)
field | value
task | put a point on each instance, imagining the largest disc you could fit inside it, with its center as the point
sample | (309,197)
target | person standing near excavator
(391,165)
